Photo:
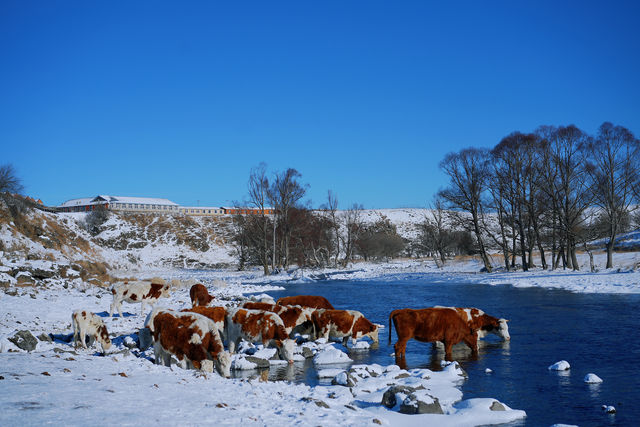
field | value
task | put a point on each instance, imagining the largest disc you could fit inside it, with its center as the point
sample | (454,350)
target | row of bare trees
(548,192)
(294,233)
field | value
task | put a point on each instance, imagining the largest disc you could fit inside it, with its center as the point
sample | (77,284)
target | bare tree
(95,219)
(614,163)
(501,206)
(258,187)
(379,240)
(567,147)
(468,177)
(285,193)
(547,184)
(352,218)
(331,209)
(9,181)
(435,231)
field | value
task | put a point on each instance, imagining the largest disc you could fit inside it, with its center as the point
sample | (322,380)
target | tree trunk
(610,253)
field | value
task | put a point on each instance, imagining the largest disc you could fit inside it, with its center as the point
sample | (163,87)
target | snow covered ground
(56,383)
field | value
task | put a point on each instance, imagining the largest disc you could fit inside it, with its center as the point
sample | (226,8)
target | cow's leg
(345,340)
(113,306)
(119,306)
(83,338)
(448,349)
(142,308)
(472,343)
(401,347)
(156,352)
(232,345)
(75,333)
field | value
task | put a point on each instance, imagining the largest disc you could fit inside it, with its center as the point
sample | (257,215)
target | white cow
(144,292)
(85,323)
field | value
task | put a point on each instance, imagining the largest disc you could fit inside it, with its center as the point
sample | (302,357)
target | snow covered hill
(38,246)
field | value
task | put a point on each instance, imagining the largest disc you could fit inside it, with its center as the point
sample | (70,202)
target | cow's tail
(390,319)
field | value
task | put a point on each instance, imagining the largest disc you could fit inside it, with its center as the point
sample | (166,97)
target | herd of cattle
(195,335)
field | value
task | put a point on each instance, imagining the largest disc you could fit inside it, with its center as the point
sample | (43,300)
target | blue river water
(595,333)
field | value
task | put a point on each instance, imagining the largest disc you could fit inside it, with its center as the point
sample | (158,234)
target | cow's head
(373,334)
(503,330)
(286,350)
(165,290)
(223,364)
(494,326)
(365,328)
(103,338)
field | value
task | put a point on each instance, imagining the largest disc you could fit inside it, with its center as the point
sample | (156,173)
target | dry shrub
(92,269)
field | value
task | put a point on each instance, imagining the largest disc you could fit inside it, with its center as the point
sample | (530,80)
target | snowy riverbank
(57,383)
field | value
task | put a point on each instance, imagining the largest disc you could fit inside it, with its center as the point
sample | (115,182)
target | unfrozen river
(595,333)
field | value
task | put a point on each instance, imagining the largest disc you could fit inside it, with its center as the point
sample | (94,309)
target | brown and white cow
(292,315)
(200,296)
(192,338)
(482,323)
(85,323)
(431,325)
(258,326)
(216,314)
(343,324)
(144,292)
(312,301)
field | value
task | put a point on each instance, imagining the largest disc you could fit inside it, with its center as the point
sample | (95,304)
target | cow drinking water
(258,326)
(431,325)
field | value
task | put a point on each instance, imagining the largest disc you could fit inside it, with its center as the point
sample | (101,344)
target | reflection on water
(545,326)
(594,390)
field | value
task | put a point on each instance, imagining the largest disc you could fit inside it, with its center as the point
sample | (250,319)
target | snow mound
(592,379)
(330,355)
(562,365)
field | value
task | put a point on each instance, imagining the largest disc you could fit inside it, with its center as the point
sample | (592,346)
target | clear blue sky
(181,99)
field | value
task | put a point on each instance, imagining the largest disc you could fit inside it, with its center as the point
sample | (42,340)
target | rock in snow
(592,379)
(562,365)
(24,340)
(420,402)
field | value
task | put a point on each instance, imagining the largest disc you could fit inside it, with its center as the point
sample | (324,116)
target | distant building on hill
(125,204)
(120,204)
(202,210)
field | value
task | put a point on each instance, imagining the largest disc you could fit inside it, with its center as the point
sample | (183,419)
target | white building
(120,204)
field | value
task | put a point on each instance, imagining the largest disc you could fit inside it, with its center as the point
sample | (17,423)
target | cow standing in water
(430,325)
(295,318)
(312,301)
(482,323)
(343,324)
(258,326)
